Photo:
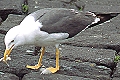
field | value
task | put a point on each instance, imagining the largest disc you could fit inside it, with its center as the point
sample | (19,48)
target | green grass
(117,58)
(24,8)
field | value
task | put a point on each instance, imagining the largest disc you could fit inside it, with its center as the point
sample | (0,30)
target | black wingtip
(104,17)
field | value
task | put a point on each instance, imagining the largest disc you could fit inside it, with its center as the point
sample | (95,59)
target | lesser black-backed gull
(47,27)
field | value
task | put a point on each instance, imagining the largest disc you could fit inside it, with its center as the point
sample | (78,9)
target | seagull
(45,27)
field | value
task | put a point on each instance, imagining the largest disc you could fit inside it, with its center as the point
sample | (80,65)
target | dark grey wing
(65,21)
(39,13)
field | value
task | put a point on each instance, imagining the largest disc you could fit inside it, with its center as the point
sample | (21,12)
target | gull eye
(12,41)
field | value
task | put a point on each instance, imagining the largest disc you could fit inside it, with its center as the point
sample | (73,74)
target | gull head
(12,39)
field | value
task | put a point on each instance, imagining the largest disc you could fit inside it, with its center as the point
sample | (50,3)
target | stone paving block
(11,21)
(116,78)
(39,4)
(99,8)
(102,5)
(8,76)
(37,76)
(102,2)
(84,54)
(116,75)
(13,4)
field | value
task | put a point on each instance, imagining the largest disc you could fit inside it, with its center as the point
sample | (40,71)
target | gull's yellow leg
(39,62)
(51,69)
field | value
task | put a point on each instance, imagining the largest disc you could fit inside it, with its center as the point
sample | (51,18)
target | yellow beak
(6,54)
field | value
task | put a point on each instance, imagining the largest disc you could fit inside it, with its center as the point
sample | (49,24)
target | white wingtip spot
(96,20)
